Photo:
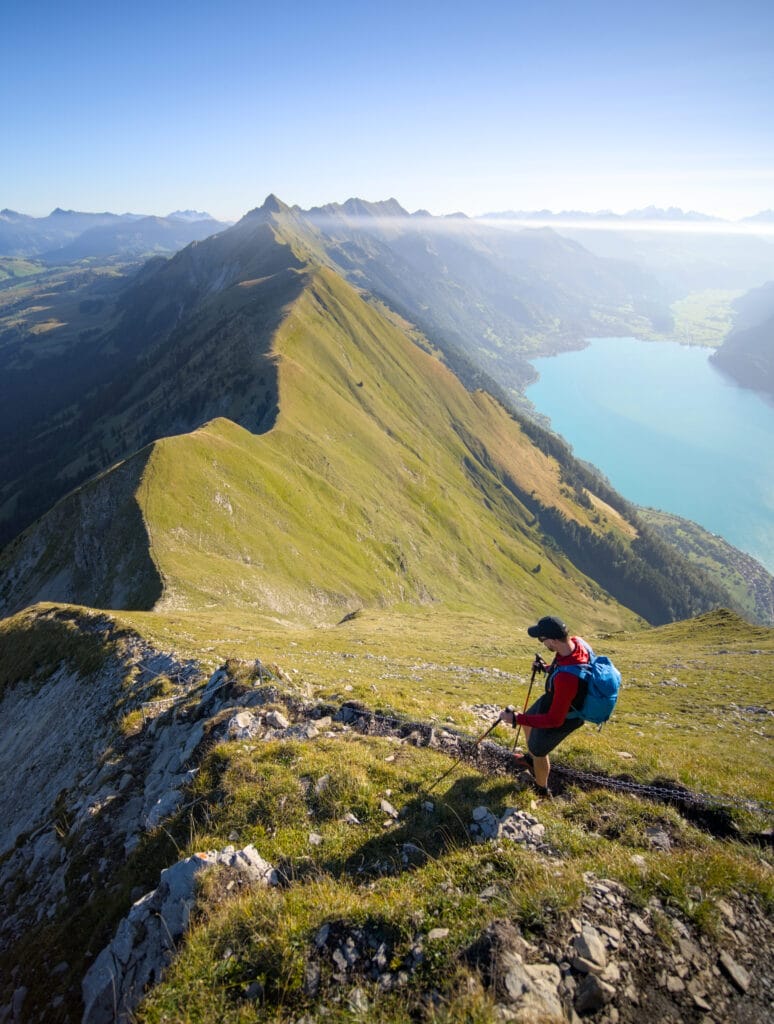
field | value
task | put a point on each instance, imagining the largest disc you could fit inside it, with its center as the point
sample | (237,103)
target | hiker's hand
(506,715)
(538,665)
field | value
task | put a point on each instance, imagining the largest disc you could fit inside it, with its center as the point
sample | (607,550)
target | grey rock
(254,991)
(387,808)
(735,971)
(276,720)
(146,938)
(489,892)
(534,991)
(658,838)
(593,994)
(311,979)
(244,726)
(303,731)
(164,807)
(586,966)
(522,827)
(17,1002)
(590,946)
(412,854)
(488,825)
(358,1000)
(727,911)
(340,960)
(249,862)
(640,925)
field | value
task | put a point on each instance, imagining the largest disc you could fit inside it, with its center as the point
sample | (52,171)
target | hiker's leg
(542,741)
(541,766)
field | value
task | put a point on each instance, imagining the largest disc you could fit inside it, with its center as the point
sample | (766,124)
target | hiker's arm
(565,691)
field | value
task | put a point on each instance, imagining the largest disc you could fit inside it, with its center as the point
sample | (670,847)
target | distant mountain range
(649,213)
(685,251)
(65,236)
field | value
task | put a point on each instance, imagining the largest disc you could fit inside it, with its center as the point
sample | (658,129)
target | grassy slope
(703,318)
(674,717)
(297,522)
(683,714)
(751,586)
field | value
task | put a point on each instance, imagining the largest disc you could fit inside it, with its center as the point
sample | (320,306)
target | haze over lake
(670,432)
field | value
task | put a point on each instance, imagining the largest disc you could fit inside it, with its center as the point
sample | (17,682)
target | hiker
(546,722)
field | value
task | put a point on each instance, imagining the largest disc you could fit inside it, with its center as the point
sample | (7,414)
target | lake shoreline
(669,430)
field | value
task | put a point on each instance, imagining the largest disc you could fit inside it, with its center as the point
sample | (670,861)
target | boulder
(146,939)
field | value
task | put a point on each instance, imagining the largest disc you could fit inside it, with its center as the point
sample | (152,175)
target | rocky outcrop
(147,937)
(617,962)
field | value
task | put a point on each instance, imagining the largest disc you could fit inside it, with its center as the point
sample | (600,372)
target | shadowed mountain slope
(747,353)
(92,546)
(184,342)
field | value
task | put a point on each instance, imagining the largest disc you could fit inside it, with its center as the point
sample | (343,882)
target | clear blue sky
(154,106)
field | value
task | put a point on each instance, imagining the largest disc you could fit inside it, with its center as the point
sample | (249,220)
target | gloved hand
(538,665)
(508,716)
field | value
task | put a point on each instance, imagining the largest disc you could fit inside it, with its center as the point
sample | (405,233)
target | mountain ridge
(354,391)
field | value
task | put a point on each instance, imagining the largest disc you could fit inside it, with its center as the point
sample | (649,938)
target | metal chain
(605,781)
(396,722)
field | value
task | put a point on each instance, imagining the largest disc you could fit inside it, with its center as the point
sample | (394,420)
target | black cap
(549,627)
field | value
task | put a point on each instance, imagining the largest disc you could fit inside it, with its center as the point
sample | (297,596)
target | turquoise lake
(670,432)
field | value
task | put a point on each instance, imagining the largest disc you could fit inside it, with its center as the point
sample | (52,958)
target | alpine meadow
(276,517)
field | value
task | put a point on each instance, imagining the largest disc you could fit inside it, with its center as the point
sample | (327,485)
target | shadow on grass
(427,827)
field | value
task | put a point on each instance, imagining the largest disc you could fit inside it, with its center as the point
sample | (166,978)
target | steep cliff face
(90,549)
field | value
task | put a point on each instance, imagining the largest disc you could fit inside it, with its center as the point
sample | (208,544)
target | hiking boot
(541,792)
(521,762)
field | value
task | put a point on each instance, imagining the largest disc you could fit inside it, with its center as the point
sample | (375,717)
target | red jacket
(564,686)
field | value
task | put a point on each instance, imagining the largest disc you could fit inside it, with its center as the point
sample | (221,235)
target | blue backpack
(604,682)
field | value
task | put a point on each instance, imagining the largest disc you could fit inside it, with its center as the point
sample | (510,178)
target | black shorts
(543,741)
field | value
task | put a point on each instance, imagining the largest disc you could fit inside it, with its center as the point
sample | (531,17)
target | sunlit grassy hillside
(382,481)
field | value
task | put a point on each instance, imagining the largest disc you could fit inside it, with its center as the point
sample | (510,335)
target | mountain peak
(355,207)
(188,215)
(260,214)
(765,217)
(384,208)
(671,213)
(272,204)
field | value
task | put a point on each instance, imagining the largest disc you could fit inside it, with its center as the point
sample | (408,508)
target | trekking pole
(529,691)
(475,745)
